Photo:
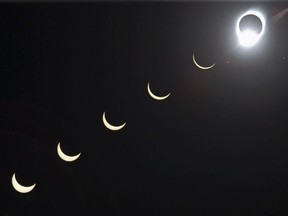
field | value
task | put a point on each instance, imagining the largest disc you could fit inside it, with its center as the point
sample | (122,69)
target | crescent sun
(201,67)
(66,157)
(155,96)
(20,188)
(109,126)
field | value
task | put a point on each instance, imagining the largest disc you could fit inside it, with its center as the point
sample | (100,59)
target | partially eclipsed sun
(20,188)
(65,157)
(248,37)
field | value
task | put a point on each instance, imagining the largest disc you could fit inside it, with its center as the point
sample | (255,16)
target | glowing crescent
(154,96)
(66,157)
(109,126)
(20,188)
(202,67)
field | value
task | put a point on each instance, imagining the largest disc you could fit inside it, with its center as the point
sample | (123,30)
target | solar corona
(249,37)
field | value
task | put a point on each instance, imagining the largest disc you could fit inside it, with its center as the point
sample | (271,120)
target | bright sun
(249,37)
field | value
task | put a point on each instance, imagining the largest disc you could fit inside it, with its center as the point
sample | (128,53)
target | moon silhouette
(109,126)
(21,188)
(66,157)
(201,67)
(155,96)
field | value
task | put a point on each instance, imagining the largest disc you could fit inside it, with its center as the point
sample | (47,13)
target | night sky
(218,145)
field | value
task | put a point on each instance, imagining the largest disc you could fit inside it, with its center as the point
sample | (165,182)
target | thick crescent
(155,96)
(66,157)
(20,188)
(202,67)
(109,126)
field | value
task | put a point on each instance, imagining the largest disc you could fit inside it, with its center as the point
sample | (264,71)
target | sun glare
(248,37)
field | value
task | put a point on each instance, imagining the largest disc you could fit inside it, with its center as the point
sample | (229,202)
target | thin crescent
(202,67)
(20,188)
(155,96)
(109,126)
(66,157)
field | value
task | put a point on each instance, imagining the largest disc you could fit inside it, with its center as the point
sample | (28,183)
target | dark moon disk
(251,22)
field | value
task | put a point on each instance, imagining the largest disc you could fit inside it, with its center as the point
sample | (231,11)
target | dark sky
(218,145)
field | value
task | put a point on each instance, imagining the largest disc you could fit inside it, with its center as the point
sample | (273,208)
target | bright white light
(248,38)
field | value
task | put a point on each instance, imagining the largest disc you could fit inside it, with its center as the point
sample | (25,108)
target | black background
(218,145)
